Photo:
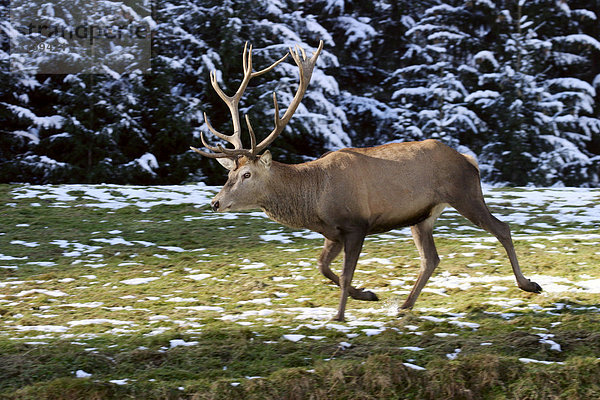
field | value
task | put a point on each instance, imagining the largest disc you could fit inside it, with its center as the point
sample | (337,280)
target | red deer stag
(351,193)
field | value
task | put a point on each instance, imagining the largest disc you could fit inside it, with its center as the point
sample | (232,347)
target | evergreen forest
(516,84)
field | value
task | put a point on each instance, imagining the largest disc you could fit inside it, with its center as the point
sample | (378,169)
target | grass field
(142,292)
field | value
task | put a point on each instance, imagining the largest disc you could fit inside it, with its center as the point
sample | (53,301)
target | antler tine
(247,66)
(234,153)
(252,136)
(211,148)
(302,51)
(209,155)
(264,71)
(244,60)
(305,69)
(214,131)
(316,53)
(219,151)
(276,105)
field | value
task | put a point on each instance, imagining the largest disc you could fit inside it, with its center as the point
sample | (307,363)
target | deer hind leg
(476,211)
(423,238)
(330,251)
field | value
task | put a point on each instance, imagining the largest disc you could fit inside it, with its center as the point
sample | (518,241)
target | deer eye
(246,175)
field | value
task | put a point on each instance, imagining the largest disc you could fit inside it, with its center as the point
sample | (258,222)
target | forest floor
(142,292)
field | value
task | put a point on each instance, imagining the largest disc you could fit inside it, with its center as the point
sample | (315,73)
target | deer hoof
(371,296)
(531,287)
(339,318)
(403,312)
(365,295)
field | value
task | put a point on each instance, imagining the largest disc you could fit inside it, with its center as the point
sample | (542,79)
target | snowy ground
(542,219)
(574,208)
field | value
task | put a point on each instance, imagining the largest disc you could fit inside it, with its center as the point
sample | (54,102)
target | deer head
(249,170)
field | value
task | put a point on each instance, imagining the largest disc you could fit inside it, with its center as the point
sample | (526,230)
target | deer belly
(381,224)
(398,217)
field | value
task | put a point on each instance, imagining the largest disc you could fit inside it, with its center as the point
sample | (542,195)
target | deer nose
(215,205)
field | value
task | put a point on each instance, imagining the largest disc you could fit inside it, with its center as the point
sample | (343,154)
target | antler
(305,67)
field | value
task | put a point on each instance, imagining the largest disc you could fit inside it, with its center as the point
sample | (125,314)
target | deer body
(378,188)
(351,193)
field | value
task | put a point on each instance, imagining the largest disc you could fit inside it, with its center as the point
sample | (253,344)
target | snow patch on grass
(139,281)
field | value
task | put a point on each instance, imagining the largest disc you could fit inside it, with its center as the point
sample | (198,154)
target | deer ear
(227,163)
(265,159)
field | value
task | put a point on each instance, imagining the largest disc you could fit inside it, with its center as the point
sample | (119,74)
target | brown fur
(348,194)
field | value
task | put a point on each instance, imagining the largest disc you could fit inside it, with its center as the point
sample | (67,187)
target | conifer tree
(431,85)
(534,117)
(517,83)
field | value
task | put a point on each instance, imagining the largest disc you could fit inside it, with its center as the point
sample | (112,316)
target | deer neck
(291,195)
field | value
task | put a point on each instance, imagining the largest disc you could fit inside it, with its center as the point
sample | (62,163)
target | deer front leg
(330,251)
(352,246)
